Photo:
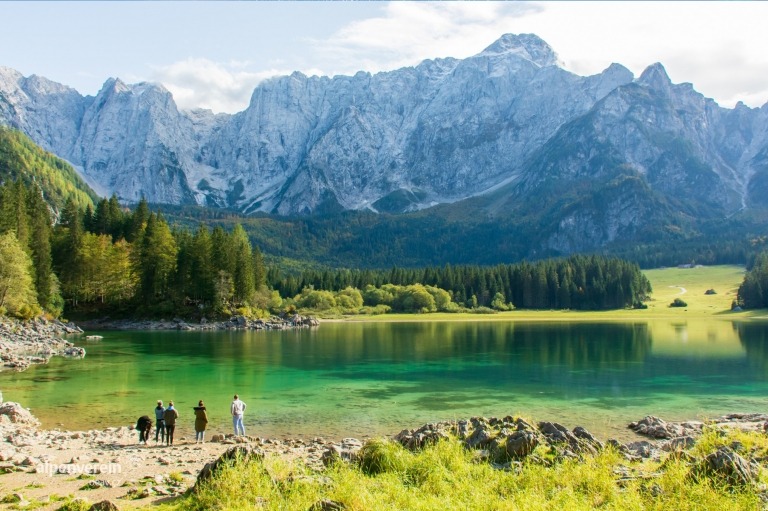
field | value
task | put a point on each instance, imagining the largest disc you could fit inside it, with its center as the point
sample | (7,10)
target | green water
(358,379)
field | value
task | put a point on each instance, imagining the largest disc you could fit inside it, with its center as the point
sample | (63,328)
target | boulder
(232,455)
(679,444)
(18,414)
(556,433)
(480,437)
(642,449)
(521,444)
(727,465)
(348,450)
(428,434)
(655,427)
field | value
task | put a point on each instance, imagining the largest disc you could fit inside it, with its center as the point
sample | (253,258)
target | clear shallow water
(358,379)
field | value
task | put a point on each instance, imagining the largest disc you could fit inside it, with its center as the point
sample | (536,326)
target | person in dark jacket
(170,415)
(144,427)
(160,421)
(201,422)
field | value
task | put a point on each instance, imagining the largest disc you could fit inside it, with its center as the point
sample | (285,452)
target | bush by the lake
(677,302)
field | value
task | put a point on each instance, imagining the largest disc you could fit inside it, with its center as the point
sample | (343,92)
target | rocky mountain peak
(655,77)
(115,85)
(527,46)
(9,76)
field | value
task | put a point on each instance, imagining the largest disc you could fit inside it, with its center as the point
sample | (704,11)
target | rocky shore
(234,323)
(110,465)
(34,342)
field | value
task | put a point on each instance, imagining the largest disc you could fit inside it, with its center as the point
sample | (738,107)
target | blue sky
(212,54)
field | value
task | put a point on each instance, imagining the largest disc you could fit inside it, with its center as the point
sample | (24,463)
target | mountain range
(506,138)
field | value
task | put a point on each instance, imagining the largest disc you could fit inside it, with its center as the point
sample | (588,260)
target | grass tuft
(381,455)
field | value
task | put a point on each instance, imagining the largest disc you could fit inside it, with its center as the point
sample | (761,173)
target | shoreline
(234,323)
(23,343)
(110,464)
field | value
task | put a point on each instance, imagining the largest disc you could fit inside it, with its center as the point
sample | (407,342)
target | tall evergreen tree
(201,260)
(157,260)
(40,246)
(137,222)
(260,270)
(243,277)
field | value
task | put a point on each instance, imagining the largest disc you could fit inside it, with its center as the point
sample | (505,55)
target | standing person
(160,420)
(201,421)
(170,415)
(237,409)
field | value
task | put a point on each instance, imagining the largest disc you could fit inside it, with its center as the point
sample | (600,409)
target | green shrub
(677,302)
(75,504)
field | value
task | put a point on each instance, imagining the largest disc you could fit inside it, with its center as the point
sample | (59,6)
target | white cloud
(201,83)
(409,32)
(717,46)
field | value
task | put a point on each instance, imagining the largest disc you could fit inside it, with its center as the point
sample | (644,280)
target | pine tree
(40,246)
(243,276)
(137,222)
(260,270)
(67,252)
(157,260)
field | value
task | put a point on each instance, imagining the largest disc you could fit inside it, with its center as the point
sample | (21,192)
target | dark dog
(144,426)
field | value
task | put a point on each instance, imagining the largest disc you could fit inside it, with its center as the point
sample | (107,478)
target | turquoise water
(358,379)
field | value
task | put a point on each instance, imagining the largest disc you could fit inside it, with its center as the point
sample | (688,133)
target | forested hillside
(115,261)
(21,159)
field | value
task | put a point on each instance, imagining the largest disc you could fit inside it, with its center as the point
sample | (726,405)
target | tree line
(583,282)
(108,258)
(753,291)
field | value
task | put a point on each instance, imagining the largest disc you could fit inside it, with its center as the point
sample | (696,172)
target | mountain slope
(21,159)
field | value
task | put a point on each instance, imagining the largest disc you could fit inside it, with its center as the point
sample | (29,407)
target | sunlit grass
(667,283)
(447,476)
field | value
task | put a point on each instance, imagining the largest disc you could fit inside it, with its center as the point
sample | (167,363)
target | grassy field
(688,284)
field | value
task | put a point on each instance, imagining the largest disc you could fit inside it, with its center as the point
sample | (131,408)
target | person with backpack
(170,415)
(160,421)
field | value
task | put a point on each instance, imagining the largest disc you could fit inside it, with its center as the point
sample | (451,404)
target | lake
(364,379)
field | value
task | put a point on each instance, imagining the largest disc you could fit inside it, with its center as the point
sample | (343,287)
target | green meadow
(688,284)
